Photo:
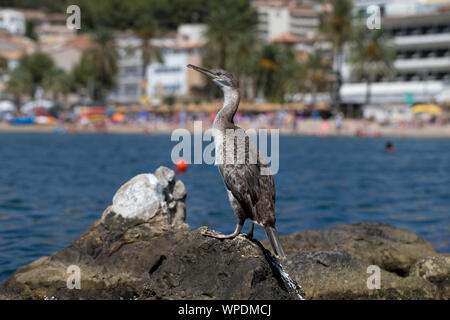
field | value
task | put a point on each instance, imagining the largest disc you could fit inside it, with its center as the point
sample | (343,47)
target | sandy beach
(362,128)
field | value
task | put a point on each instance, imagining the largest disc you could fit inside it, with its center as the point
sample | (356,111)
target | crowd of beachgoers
(287,122)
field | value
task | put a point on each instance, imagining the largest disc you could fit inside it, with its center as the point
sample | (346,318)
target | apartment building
(419,32)
(169,77)
(12,21)
(297,18)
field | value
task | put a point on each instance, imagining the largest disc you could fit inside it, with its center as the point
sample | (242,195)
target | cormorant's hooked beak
(203,70)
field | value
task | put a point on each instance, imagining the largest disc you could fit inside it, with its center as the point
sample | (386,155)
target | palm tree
(371,56)
(3,65)
(59,83)
(149,52)
(232,41)
(18,85)
(98,66)
(231,27)
(241,53)
(277,71)
(318,71)
(337,28)
(36,66)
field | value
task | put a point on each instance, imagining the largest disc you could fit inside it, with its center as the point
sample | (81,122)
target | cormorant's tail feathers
(272,234)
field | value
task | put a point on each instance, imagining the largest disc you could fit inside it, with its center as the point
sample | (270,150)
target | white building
(12,21)
(388,113)
(128,88)
(163,79)
(171,77)
(420,35)
(276,18)
(191,33)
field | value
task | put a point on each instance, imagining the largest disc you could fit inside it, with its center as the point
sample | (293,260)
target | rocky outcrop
(380,244)
(435,269)
(336,263)
(141,248)
(115,254)
(202,267)
(337,275)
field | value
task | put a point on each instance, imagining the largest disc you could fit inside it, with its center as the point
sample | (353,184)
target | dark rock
(337,275)
(202,267)
(435,269)
(114,258)
(388,247)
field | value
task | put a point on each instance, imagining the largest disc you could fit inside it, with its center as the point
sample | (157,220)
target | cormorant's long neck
(231,99)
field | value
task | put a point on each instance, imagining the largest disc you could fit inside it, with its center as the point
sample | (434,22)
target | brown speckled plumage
(251,194)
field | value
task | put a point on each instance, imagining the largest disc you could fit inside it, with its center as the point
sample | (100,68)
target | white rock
(165,176)
(179,190)
(141,197)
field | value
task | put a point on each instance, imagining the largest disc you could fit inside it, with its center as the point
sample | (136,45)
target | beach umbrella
(29,107)
(7,106)
(118,117)
(427,108)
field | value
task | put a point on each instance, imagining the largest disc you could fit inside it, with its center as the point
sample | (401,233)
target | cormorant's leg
(228,236)
(249,234)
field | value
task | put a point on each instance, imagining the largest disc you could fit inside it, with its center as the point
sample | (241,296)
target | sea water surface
(52,187)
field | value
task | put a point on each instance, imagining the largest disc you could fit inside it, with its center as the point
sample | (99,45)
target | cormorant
(250,186)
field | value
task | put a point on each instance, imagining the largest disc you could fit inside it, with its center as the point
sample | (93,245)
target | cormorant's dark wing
(254,192)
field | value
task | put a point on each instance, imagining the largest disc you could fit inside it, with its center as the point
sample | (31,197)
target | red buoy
(181,165)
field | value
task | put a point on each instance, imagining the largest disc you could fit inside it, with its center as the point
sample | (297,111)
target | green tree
(338,29)
(33,69)
(29,29)
(371,56)
(18,85)
(3,66)
(149,53)
(277,71)
(318,71)
(59,83)
(230,30)
(98,66)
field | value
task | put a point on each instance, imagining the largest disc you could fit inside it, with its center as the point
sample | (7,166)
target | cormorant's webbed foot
(236,232)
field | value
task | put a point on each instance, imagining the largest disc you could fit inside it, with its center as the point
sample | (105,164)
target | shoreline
(308,128)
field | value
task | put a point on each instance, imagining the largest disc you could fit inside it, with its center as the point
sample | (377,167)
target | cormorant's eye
(219,73)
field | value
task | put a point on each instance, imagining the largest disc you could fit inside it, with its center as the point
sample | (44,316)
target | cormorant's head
(222,78)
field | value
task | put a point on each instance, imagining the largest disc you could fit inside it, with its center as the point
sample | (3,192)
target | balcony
(422,40)
(437,63)
(392,92)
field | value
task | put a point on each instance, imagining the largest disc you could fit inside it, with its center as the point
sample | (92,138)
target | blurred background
(360,91)
(299,62)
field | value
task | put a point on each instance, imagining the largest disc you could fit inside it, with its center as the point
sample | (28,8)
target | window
(130,71)
(167,69)
(172,87)
(130,90)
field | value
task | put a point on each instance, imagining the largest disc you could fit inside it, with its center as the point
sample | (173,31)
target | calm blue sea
(52,187)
